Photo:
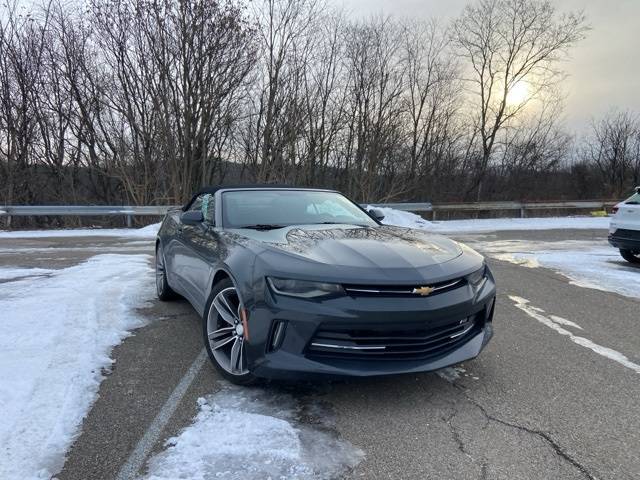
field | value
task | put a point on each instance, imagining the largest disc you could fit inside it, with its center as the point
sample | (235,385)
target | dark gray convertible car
(299,282)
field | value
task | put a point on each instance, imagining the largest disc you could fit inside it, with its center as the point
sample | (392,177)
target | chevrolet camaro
(301,282)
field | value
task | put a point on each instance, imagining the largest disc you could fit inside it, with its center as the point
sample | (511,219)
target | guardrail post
(8,222)
(523,214)
(433,217)
(129,221)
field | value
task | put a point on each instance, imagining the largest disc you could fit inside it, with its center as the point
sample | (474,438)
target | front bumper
(293,356)
(625,239)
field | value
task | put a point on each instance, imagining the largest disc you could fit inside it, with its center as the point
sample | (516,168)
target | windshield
(633,200)
(281,208)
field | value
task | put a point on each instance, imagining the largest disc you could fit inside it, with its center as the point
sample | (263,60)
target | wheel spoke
(221,332)
(225,300)
(223,342)
(236,356)
(222,307)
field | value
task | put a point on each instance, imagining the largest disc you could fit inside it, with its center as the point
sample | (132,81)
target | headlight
(477,278)
(303,288)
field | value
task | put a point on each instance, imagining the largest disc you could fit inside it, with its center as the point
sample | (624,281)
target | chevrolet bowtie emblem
(424,291)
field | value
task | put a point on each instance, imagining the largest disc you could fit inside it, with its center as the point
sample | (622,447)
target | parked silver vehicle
(624,229)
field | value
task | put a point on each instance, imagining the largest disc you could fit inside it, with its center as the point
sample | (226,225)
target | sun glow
(518,94)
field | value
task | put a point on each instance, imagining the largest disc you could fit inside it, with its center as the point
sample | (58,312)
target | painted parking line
(552,322)
(135,461)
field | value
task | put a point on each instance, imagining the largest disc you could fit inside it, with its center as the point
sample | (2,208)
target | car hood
(383,247)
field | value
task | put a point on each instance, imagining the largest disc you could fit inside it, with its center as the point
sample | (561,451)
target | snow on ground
(150,231)
(498,224)
(590,264)
(411,220)
(56,334)
(243,433)
(11,273)
(404,219)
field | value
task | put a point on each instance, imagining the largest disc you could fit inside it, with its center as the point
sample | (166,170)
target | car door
(201,242)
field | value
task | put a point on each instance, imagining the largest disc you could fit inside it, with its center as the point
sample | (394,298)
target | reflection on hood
(356,246)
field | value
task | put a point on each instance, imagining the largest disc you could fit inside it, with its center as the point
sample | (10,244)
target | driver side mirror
(376,213)
(192,217)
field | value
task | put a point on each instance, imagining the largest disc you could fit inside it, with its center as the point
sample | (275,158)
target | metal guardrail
(522,207)
(129,211)
(407,207)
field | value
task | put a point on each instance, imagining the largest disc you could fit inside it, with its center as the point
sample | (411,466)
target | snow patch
(538,314)
(401,218)
(451,374)
(528,262)
(411,220)
(56,334)
(10,273)
(588,264)
(255,434)
(506,224)
(150,231)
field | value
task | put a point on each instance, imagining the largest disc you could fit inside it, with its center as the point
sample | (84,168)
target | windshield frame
(224,222)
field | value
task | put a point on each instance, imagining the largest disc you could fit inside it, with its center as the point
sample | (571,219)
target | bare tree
(374,128)
(512,49)
(431,100)
(276,111)
(614,147)
(22,45)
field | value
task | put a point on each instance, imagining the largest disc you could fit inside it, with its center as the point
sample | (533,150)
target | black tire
(212,321)
(163,290)
(630,256)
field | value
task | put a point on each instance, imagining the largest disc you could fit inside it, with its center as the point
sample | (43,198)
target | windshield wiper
(263,226)
(632,203)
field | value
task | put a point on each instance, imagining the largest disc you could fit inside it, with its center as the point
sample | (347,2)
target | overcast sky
(604,69)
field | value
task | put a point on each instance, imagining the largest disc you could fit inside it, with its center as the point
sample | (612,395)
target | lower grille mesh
(391,341)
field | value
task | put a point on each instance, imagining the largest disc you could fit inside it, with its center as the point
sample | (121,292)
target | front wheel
(224,336)
(630,256)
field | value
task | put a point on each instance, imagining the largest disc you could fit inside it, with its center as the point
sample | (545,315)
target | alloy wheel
(225,332)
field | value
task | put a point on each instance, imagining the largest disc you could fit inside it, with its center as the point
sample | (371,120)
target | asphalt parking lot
(539,403)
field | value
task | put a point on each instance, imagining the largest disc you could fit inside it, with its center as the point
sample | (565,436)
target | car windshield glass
(281,208)
(633,200)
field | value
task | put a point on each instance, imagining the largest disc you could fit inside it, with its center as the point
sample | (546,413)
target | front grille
(627,234)
(391,341)
(402,290)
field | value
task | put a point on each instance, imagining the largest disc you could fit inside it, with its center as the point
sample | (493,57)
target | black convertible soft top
(214,188)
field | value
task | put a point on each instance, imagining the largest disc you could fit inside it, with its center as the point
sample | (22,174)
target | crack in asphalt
(539,433)
(484,471)
(460,443)
(456,435)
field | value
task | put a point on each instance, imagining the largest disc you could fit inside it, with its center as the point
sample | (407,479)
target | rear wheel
(224,335)
(630,256)
(163,289)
